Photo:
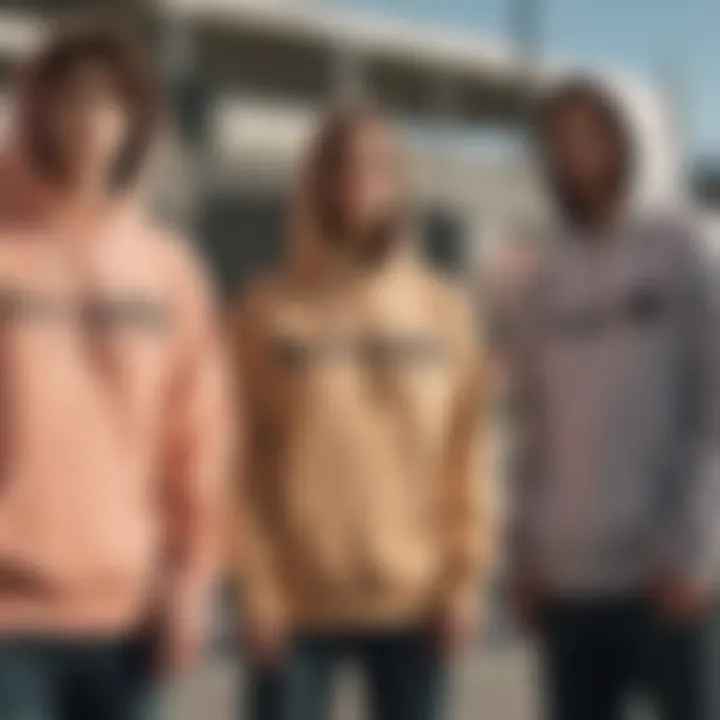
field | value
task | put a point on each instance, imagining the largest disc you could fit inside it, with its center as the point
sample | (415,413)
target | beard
(369,243)
(582,206)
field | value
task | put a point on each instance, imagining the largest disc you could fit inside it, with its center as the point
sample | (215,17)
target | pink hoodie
(112,426)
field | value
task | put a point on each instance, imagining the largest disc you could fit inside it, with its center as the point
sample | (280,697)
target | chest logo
(642,307)
(98,314)
(372,350)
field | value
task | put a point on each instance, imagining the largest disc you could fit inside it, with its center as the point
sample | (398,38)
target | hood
(657,175)
(26,196)
(314,259)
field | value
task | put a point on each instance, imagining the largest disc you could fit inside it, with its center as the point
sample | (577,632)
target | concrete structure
(247,79)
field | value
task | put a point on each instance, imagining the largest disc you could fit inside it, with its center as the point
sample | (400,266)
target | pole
(526,30)
(526,34)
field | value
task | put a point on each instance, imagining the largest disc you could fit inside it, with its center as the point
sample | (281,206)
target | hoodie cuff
(262,600)
(191,596)
(692,556)
(461,593)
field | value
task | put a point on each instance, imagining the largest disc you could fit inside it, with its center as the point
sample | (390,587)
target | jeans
(404,674)
(74,679)
(598,655)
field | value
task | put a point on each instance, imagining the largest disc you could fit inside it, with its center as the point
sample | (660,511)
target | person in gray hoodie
(616,475)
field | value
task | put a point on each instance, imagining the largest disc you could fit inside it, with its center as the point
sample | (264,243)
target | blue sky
(675,41)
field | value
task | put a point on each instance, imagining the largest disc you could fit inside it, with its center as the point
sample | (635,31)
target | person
(361,508)
(612,558)
(112,399)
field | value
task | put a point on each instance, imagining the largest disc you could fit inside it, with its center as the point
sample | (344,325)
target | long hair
(327,162)
(132,73)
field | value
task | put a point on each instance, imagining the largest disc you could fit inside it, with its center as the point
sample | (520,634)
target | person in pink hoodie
(112,420)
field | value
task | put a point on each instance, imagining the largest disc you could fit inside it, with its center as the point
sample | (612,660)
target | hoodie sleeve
(468,522)
(252,538)
(689,535)
(197,443)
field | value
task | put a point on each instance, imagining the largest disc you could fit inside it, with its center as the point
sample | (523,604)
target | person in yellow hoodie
(361,525)
(112,420)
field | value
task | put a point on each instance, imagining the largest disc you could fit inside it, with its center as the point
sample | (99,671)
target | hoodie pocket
(353,506)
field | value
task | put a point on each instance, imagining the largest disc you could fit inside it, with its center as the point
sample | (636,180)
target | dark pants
(74,679)
(596,656)
(404,675)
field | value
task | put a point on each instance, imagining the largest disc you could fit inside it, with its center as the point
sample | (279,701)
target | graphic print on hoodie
(617,474)
(112,421)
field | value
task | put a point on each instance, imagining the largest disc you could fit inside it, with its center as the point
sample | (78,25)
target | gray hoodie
(617,475)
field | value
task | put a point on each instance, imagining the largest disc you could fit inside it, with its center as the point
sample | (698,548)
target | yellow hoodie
(360,502)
